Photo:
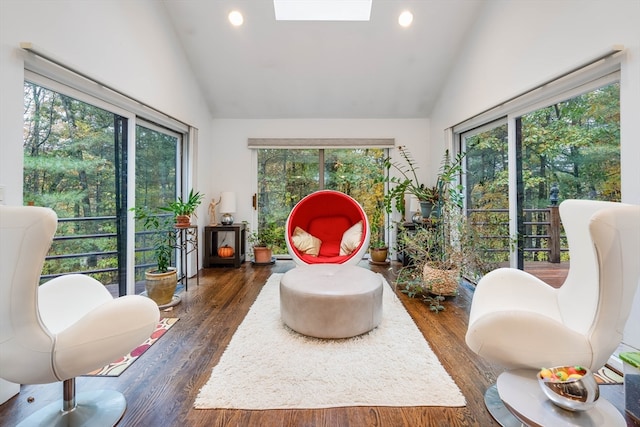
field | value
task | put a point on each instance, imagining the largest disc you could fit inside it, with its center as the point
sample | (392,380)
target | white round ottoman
(331,300)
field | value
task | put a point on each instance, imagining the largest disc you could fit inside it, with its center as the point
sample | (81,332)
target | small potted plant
(161,281)
(263,241)
(378,248)
(183,209)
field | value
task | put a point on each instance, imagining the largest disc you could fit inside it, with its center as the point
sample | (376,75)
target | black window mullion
(120,141)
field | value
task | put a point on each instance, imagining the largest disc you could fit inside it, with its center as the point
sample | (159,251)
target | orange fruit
(545,373)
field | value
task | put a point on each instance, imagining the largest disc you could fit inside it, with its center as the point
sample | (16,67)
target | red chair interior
(326,215)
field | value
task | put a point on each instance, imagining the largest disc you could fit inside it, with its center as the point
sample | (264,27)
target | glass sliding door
(74,153)
(284,177)
(157,182)
(569,149)
(487,187)
(76,156)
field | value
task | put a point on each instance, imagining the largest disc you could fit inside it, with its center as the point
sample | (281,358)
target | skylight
(322,10)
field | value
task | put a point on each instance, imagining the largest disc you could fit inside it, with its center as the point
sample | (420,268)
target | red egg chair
(327,227)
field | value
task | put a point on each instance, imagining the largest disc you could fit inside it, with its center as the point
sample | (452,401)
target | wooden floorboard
(161,386)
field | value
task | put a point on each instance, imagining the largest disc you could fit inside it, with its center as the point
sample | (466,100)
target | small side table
(212,242)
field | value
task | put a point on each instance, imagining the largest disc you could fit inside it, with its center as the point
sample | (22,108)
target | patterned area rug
(117,367)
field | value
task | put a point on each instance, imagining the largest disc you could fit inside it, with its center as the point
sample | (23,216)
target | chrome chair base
(93,408)
(498,410)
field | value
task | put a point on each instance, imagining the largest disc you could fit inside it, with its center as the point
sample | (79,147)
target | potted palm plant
(183,209)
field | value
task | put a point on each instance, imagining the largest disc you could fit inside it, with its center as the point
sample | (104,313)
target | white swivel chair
(66,327)
(518,321)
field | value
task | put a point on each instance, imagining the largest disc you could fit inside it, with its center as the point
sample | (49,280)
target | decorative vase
(262,254)
(160,287)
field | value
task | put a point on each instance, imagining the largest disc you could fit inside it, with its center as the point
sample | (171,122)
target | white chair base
(93,408)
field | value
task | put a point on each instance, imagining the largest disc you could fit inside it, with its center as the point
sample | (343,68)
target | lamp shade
(228,202)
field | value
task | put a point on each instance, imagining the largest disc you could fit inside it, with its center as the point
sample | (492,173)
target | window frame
(601,72)
(57,77)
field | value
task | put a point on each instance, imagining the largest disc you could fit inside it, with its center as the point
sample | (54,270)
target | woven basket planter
(441,282)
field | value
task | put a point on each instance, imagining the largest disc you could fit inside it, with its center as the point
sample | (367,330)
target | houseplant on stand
(183,209)
(161,282)
(431,198)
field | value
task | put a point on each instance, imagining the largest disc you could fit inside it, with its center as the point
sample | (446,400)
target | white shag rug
(269,366)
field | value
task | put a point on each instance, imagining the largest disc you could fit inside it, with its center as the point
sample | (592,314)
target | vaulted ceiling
(305,69)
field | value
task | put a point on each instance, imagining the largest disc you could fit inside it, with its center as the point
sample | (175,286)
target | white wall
(128,45)
(518,44)
(233,167)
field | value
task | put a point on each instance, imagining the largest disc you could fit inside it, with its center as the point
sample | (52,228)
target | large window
(287,175)
(70,165)
(78,150)
(520,165)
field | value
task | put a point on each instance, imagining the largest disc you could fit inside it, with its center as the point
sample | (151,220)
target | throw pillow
(351,239)
(305,242)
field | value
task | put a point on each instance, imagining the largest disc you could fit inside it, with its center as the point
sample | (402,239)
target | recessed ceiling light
(405,19)
(322,10)
(236,18)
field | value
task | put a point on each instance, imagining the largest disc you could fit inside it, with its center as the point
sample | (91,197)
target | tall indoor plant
(444,246)
(161,281)
(378,248)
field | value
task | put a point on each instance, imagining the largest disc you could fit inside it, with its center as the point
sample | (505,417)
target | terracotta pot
(262,254)
(183,221)
(160,287)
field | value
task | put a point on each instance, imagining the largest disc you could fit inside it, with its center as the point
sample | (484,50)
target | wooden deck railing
(543,231)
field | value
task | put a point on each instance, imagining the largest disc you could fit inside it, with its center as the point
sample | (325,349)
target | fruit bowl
(573,388)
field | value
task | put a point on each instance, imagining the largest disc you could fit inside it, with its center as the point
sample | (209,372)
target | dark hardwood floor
(161,386)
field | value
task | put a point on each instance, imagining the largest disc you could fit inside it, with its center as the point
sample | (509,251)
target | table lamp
(227,207)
